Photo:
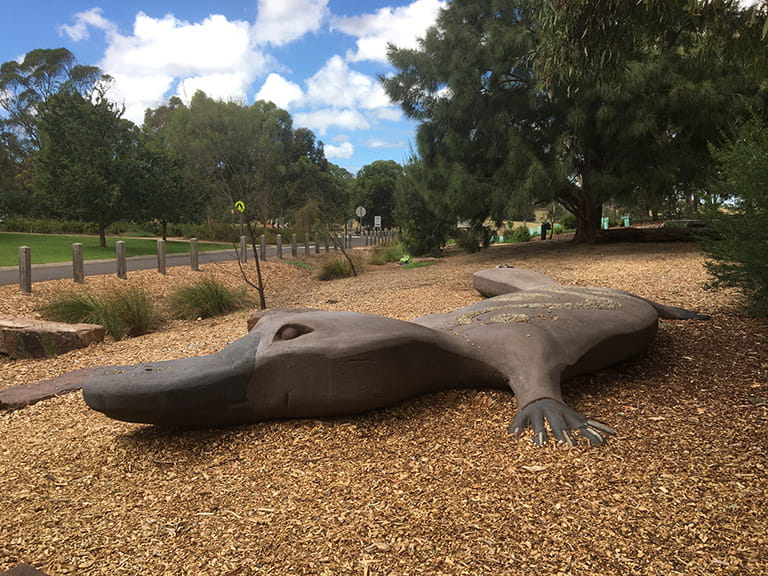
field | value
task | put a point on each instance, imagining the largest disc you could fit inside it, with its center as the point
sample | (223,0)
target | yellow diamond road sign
(240,205)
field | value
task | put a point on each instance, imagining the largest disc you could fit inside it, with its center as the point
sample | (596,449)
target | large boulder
(28,338)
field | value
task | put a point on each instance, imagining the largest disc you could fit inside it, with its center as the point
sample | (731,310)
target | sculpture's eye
(291,331)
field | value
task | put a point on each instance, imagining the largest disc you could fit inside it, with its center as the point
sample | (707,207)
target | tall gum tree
(500,126)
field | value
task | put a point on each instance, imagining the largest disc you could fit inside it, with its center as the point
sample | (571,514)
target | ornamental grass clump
(206,298)
(123,313)
(385,253)
(335,269)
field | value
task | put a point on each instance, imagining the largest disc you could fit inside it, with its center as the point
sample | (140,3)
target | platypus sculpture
(530,334)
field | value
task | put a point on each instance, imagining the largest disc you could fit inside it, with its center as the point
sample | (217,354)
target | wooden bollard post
(317,243)
(78,272)
(122,264)
(243,250)
(263,247)
(280,246)
(25,269)
(161,256)
(294,247)
(194,255)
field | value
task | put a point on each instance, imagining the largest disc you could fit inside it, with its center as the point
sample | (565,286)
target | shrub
(520,234)
(136,312)
(124,313)
(206,298)
(389,252)
(568,221)
(736,238)
(473,239)
(334,269)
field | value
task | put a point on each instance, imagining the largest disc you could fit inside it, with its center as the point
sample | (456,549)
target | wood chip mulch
(432,486)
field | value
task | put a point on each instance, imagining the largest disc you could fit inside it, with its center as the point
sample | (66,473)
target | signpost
(360,212)
(377,222)
(240,207)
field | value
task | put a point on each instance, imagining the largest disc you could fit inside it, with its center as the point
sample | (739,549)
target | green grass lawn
(48,248)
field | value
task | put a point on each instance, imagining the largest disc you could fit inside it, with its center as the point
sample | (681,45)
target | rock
(22,395)
(28,338)
(23,570)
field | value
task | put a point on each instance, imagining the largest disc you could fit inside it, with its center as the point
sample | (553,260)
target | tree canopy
(87,158)
(500,129)
(374,190)
(27,86)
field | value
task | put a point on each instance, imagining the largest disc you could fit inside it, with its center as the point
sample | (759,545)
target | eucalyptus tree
(503,124)
(87,158)
(375,187)
(238,150)
(26,87)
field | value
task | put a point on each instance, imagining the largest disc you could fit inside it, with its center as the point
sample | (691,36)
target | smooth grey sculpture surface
(531,334)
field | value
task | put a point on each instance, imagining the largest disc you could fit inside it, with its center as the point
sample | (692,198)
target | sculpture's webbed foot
(562,421)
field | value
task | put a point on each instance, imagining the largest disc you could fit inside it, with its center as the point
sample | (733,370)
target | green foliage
(520,234)
(206,298)
(385,253)
(48,226)
(87,159)
(473,239)
(124,313)
(374,189)
(136,312)
(300,264)
(737,234)
(568,222)
(26,87)
(420,264)
(507,137)
(334,269)
(423,231)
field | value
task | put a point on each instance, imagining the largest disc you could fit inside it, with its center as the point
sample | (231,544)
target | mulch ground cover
(434,485)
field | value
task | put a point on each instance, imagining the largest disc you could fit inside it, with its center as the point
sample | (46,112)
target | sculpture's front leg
(562,421)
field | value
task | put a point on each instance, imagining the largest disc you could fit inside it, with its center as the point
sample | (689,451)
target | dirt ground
(433,486)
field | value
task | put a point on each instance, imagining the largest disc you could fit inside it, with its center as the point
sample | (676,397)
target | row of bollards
(78,265)
(78,269)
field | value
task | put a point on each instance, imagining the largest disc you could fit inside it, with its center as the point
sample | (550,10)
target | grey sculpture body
(531,334)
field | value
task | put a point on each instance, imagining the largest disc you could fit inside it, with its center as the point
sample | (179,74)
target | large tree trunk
(588,214)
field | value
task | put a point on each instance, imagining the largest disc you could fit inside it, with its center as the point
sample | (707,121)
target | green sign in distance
(240,206)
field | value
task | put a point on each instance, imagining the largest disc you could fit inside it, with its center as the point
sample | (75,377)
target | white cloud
(345,150)
(400,26)
(280,22)
(214,45)
(381,144)
(391,113)
(321,120)
(83,21)
(282,92)
(336,84)
(138,93)
(216,55)
(218,86)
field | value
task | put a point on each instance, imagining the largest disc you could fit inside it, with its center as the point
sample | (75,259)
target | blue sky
(318,59)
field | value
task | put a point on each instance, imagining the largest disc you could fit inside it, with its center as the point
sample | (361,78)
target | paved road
(43,272)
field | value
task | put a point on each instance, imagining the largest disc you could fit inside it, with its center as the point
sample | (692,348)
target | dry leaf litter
(432,486)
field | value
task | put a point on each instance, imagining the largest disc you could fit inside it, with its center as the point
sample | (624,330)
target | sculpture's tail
(673,312)
(505,279)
